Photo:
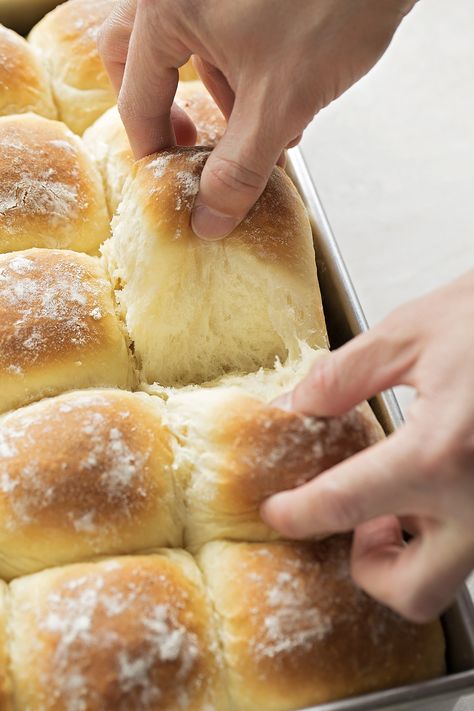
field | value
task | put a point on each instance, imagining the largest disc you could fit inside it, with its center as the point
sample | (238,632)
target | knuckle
(340,509)
(113,40)
(235,176)
(105,38)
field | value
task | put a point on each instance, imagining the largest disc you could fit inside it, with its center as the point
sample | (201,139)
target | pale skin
(272,66)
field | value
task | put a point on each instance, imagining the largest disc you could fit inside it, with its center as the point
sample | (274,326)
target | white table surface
(393,161)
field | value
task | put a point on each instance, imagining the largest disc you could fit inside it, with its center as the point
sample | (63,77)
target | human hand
(270,66)
(421,478)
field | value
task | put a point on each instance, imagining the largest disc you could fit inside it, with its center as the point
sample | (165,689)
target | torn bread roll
(83,474)
(108,143)
(297,632)
(51,193)
(216,307)
(125,633)
(58,327)
(24,83)
(66,40)
(236,451)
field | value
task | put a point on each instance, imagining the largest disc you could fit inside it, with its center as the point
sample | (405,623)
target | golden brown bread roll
(82,474)
(238,452)
(108,142)
(5,679)
(51,194)
(24,84)
(296,631)
(125,634)
(67,42)
(58,327)
(232,305)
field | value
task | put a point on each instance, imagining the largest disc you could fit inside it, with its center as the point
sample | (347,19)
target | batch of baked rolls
(137,438)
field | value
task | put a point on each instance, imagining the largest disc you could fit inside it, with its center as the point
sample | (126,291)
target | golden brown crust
(267,450)
(129,633)
(58,327)
(51,306)
(24,85)
(51,194)
(67,40)
(296,631)
(86,473)
(241,451)
(73,28)
(169,181)
(193,97)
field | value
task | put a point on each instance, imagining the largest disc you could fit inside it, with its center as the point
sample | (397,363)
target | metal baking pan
(21,15)
(345,320)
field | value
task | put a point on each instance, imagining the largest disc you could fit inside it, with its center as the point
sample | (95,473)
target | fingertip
(283,402)
(317,393)
(211,225)
(278,513)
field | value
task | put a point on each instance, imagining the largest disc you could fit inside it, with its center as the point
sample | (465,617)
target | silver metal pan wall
(345,320)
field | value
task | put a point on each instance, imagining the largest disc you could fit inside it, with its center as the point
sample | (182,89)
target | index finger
(148,88)
(372,483)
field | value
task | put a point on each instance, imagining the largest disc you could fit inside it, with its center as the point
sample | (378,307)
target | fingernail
(209,224)
(283,402)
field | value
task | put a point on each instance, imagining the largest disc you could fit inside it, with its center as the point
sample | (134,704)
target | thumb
(236,172)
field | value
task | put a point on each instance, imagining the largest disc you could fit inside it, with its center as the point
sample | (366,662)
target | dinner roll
(296,631)
(86,473)
(108,143)
(239,451)
(24,84)
(193,97)
(5,681)
(58,327)
(124,634)
(215,307)
(51,194)
(67,41)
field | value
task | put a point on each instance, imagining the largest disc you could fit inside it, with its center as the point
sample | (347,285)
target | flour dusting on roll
(232,305)
(58,327)
(51,194)
(125,633)
(87,473)
(237,451)
(296,631)
(108,143)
